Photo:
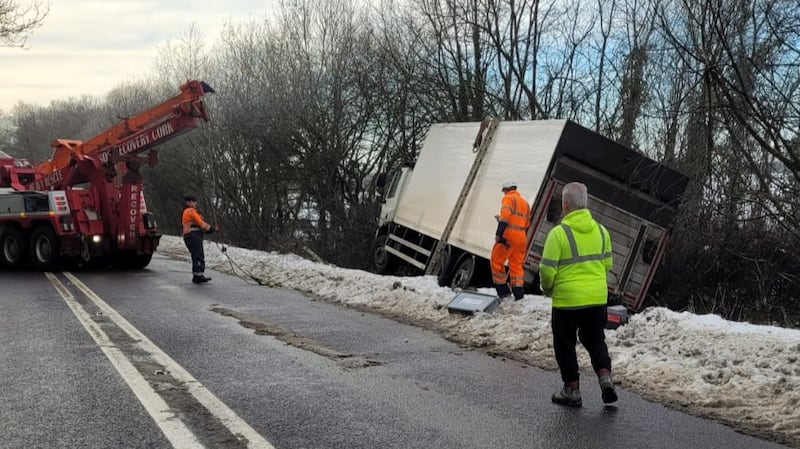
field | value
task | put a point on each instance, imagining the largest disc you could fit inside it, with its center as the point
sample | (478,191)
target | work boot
(200,279)
(502,291)
(607,388)
(519,293)
(569,396)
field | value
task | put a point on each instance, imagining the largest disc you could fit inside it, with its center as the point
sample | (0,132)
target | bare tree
(333,61)
(6,132)
(183,58)
(249,157)
(454,56)
(758,83)
(640,22)
(515,30)
(37,126)
(738,69)
(606,19)
(404,85)
(18,22)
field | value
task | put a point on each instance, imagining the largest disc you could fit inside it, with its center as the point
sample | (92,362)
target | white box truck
(438,213)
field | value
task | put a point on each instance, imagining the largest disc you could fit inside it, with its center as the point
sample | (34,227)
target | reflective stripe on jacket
(191,220)
(515,211)
(576,258)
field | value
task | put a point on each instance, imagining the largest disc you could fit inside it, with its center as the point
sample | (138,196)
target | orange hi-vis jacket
(516,212)
(193,221)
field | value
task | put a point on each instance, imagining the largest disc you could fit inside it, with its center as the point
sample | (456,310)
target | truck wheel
(445,276)
(382,261)
(139,261)
(13,248)
(462,276)
(45,248)
(130,260)
(533,286)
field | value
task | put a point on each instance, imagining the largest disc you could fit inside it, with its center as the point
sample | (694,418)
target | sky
(91,46)
(744,375)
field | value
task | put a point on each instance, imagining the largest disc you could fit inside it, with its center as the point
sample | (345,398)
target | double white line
(178,434)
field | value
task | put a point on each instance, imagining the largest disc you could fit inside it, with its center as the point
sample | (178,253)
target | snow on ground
(745,375)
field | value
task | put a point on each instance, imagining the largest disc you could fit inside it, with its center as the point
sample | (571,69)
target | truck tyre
(382,261)
(12,248)
(533,286)
(445,275)
(139,261)
(130,260)
(464,272)
(45,249)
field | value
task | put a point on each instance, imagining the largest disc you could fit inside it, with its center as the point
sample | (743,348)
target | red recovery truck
(87,202)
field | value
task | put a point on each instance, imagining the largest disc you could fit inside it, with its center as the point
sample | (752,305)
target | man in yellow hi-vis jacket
(575,260)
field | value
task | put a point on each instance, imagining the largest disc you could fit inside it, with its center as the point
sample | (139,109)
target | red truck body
(86,202)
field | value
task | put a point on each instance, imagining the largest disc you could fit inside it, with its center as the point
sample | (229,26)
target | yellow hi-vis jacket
(575,260)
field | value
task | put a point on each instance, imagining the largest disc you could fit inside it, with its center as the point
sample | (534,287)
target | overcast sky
(744,375)
(90,46)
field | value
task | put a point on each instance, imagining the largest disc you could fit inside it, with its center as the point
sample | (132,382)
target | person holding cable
(575,261)
(193,227)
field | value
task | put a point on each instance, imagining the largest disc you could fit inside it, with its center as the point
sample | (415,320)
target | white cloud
(91,46)
(745,375)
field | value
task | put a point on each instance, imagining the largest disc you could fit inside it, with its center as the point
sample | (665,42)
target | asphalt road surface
(146,359)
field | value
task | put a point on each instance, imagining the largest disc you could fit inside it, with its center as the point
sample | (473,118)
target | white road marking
(226,416)
(173,428)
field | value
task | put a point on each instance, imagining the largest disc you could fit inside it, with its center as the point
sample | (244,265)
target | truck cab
(390,193)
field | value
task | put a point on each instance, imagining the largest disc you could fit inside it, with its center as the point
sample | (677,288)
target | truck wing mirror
(380,181)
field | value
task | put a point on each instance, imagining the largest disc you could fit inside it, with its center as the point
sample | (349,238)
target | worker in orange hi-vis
(193,227)
(510,243)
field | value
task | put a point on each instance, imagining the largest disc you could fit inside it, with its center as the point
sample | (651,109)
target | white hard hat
(509,183)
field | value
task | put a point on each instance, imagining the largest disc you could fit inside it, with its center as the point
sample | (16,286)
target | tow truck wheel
(130,260)
(139,261)
(12,246)
(45,249)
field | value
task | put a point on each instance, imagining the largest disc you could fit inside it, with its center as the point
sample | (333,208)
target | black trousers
(588,324)
(194,242)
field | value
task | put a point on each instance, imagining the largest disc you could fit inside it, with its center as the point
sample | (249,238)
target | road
(147,359)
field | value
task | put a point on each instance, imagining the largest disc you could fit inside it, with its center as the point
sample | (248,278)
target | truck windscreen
(36,203)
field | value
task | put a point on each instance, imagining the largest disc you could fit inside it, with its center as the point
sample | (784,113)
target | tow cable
(235,266)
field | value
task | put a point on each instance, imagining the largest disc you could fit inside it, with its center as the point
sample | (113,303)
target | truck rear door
(637,241)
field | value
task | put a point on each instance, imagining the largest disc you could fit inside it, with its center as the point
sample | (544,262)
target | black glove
(501,228)
(212,229)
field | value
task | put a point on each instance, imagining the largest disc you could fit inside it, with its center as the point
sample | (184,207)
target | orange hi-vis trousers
(514,254)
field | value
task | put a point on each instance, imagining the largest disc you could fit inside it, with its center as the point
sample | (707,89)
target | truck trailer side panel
(520,150)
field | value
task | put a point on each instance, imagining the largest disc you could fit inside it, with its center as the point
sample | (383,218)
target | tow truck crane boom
(128,137)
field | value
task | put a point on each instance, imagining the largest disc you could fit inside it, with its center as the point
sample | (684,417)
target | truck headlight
(149,221)
(66,223)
